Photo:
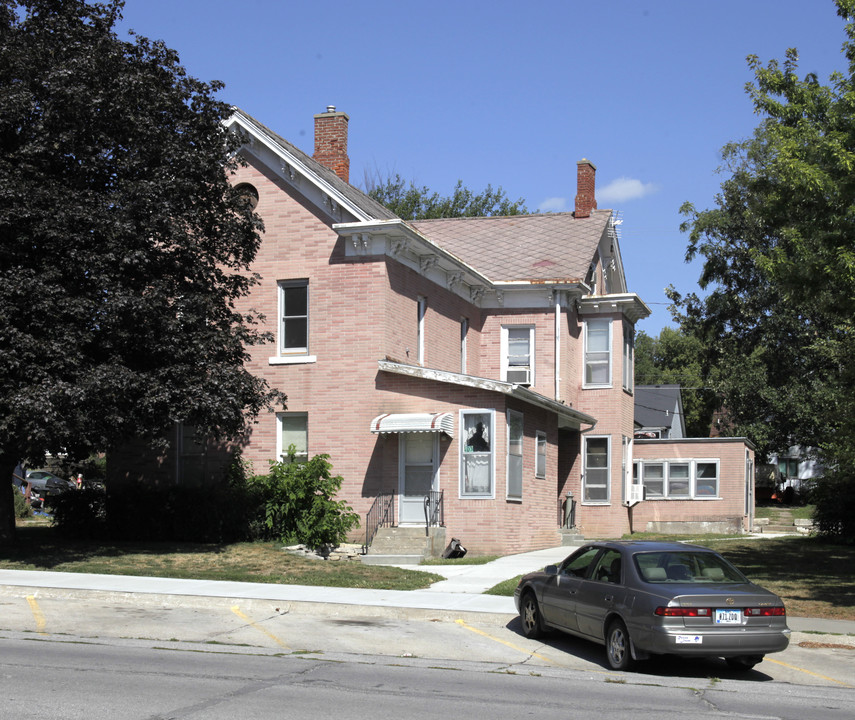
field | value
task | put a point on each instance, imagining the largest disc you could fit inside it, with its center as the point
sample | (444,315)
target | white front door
(417,474)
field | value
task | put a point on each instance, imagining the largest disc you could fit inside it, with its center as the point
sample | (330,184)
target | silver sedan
(645,598)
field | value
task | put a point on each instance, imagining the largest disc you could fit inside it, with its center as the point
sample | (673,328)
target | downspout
(557,348)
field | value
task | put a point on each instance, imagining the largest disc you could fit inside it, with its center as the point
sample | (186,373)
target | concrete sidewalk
(461,591)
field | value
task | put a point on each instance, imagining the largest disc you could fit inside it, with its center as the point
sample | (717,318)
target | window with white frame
(628,359)
(597,470)
(292,429)
(476,454)
(598,352)
(518,354)
(464,336)
(515,454)
(540,455)
(420,340)
(678,479)
(294,317)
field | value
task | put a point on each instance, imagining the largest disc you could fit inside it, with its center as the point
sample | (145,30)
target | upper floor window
(598,352)
(628,359)
(476,453)
(518,354)
(464,335)
(422,311)
(294,317)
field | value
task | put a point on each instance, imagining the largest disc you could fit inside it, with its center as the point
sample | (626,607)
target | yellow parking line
(808,672)
(37,614)
(505,642)
(236,611)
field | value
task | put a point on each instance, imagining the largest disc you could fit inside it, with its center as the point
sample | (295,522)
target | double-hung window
(628,359)
(515,454)
(540,455)
(598,352)
(293,332)
(476,454)
(518,354)
(293,430)
(597,470)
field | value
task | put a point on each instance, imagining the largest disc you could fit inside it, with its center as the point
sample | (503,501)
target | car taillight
(683,612)
(765,612)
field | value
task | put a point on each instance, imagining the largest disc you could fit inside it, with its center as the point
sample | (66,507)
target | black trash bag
(454,549)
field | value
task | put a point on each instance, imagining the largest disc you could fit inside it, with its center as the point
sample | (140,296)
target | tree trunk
(7,502)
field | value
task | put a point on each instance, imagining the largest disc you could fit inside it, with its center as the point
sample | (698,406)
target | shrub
(834,514)
(81,514)
(22,509)
(299,503)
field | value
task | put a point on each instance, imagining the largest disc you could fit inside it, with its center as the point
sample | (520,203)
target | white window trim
(666,478)
(628,354)
(608,439)
(504,350)
(281,451)
(301,355)
(491,495)
(585,383)
(508,496)
(464,337)
(422,311)
(538,436)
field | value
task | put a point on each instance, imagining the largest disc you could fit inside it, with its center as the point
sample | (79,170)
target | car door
(602,590)
(559,593)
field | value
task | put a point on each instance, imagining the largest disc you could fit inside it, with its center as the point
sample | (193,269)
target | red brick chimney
(331,141)
(586,199)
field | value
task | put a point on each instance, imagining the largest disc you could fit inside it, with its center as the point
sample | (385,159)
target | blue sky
(514,94)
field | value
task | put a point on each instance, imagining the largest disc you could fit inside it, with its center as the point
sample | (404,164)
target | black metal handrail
(434,510)
(381,514)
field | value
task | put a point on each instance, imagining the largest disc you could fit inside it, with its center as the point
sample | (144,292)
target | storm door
(417,474)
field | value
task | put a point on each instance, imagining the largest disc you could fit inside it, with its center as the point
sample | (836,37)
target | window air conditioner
(519,375)
(635,495)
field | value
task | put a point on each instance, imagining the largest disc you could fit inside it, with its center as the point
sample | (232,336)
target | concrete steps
(782,520)
(404,545)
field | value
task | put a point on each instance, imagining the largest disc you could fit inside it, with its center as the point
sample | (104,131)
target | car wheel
(532,624)
(743,662)
(617,646)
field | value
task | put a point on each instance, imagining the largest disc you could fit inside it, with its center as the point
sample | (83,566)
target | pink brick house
(477,372)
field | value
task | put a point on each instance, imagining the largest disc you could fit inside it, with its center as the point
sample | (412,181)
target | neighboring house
(659,412)
(479,370)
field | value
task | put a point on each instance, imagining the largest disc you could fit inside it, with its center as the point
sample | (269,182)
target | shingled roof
(554,247)
(367,204)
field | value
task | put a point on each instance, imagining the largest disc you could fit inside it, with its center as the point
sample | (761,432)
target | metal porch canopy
(414,422)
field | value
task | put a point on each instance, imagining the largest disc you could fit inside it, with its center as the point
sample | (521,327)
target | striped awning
(413,423)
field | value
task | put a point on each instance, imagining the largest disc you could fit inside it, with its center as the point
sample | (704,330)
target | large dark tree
(410,202)
(779,265)
(123,246)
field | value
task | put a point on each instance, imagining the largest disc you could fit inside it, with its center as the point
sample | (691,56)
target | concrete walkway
(460,592)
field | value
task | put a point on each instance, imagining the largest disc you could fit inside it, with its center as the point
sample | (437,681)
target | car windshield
(686,566)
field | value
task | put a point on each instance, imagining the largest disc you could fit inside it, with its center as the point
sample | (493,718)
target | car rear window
(686,566)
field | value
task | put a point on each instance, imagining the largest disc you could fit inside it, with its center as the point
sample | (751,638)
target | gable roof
(659,406)
(554,247)
(365,205)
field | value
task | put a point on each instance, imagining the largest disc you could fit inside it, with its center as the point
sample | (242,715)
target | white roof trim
(414,423)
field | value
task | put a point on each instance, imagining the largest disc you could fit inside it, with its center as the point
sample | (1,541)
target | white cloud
(554,204)
(624,189)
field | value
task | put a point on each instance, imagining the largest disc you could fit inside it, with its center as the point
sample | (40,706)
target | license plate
(728,617)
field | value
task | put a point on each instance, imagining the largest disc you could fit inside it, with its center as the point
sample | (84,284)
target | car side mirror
(551,569)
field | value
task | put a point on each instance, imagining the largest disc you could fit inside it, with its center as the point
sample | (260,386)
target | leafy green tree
(418,203)
(124,246)
(300,504)
(779,264)
(673,358)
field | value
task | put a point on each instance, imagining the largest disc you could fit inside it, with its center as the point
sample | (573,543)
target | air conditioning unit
(635,495)
(519,375)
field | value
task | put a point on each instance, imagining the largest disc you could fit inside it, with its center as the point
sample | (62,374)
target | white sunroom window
(678,479)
